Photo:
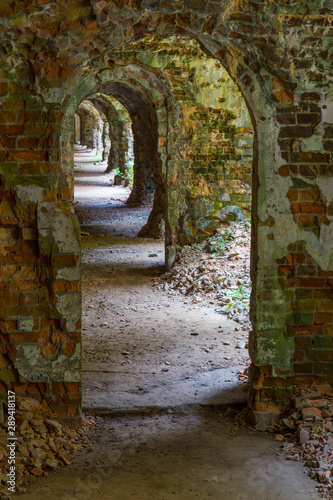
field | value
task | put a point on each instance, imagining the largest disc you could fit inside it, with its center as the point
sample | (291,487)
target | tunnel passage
(120,133)
(145,140)
(148,184)
(278,57)
(94,128)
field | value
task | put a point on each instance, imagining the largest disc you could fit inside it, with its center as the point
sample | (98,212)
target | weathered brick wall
(40,282)
(280,56)
(92,126)
(210,158)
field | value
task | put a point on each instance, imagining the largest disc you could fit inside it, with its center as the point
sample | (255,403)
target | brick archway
(287,88)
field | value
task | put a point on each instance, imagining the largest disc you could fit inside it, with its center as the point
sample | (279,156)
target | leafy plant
(240,299)
(119,173)
(240,293)
(217,244)
(130,172)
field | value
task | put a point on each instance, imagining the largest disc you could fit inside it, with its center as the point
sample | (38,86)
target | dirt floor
(161,371)
(185,455)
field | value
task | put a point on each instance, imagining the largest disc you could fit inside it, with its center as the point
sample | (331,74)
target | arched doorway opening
(212,155)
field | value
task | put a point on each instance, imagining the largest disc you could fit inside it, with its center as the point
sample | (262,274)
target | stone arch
(119,145)
(144,123)
(104,86)
(93,124)
(148,174)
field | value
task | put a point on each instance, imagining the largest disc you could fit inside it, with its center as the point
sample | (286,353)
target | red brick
(23,259)
(308,170)
(27,142)
(50,348)
(323,294)
(307,118)
(312,282)
(13,103)
(31,387)
(29,233)
(306,220)
(58,387)
(296,131)
(66,411)
(69,349)
(8,117)
(286,270)
(302,330)
(65,387)
(11,130)
(305,368)
(7,142)
(309,195)
(296,258)
(8,299)
(283,394)
(28,154)
(303,342)
(292,194)
(21,337)
(268,406)
(66,286)
(308,208)
(328,305)
(284,171)
(3,88)
(310,96)
(307,157)
(7,325)
(64,260)
(322,367)
(320,355)
(304,380)
(3,286)
(7,196)
(307,271)
(323,317)
(287,118)
(29,298)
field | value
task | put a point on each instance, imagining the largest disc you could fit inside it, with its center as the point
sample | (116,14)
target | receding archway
(223,124)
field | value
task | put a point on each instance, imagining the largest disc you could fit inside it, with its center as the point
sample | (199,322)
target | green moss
(13,181)
(8,168)
(275,349)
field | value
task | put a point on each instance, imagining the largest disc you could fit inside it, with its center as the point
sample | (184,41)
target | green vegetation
(217,244)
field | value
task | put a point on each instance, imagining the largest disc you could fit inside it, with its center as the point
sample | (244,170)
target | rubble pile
(307,434)
(44,443)
(216,270)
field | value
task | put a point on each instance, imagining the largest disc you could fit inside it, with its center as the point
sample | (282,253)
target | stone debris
(44,443)
(307,433)
(217,271)
(243,376)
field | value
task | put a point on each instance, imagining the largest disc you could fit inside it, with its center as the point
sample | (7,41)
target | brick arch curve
(151,174)
(116,157)
(130,73)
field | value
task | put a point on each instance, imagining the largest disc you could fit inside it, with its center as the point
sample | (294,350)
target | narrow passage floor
(141,348)
(155,365)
